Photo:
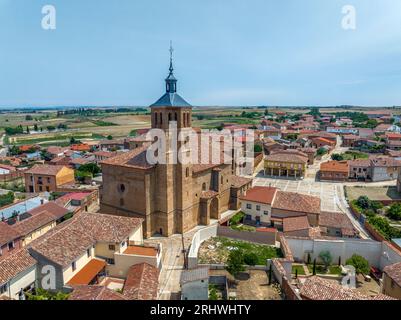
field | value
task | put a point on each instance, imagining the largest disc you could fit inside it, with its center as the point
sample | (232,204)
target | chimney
(42,201)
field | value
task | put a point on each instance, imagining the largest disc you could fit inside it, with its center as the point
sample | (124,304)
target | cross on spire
(171,56)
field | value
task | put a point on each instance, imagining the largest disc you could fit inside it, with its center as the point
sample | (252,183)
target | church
(171,198)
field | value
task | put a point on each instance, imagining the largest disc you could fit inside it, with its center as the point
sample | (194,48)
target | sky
(227,52)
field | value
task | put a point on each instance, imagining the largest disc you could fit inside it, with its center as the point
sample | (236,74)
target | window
(110,261)
(248,206)
(112,247)
(88,253)
(187,172)
(48,189)
(155,118)
(204,186)
(11,246)
(40,188)
(48,180)
(266,213)
(74,266)
(257,207)
(3,288)
(121,188)
(222,180)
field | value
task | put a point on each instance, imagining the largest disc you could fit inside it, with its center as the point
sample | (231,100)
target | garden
(220,250)
(385,220)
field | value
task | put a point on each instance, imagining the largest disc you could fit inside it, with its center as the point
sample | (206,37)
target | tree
(35,127)
(51,128)
(395,211)
(28,117)
(133,133)
(360,264)
(109,137)
(326,257)
(257,148)
(363,202)
(91,168)
(251,259)
(321,152)
(337,157)
(235,262)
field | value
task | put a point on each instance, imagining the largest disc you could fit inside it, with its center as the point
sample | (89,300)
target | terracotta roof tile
(296,202)
(70,239)
(52,208)
(142,282)
(295,224)
(394,272)
(316,288)
(15,263)
(260,194)
(44,169)
(7,234)
(31,224)
(335,166)
(95,293)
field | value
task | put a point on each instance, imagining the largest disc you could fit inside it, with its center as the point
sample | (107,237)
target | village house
(360,169)
(384,168)
(334,171)
(335,224)
(392,281)
(286,163)
(10,240)
(42,178)
(38,221)
(103,155)
(17,274)
(322,142)
(90,246)
(268,206)
(349,140)
(195,284)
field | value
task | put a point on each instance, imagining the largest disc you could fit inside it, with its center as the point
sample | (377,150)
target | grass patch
(300,270)
(223,247)
(320,269)
(101,123)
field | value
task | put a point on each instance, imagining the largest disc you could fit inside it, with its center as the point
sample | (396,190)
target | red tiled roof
(394,272)
(260,195)
(31,224)
(291,201)
(98,293)
(335,166)
(295,224)
(70,239)
(15,263)
(237,181)
(52,208)
(44,169)
(316,288)
(7,234)
(142,282)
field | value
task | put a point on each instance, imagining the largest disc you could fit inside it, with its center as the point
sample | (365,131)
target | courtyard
(252,285)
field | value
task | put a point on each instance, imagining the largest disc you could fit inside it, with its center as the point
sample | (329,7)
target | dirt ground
(254,288)
(374,193)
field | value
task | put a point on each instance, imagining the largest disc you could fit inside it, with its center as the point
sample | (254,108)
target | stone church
(171,198)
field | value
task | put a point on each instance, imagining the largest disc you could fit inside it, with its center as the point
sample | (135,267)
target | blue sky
(227,52)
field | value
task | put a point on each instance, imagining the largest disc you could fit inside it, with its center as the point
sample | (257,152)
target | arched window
(222,180)
(169,117)
(121,188)
(161,118)
(204,186)
(156,118)
(187,172)
(175,116)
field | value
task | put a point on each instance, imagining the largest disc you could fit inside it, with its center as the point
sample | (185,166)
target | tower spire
(171,57)
(171,81)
